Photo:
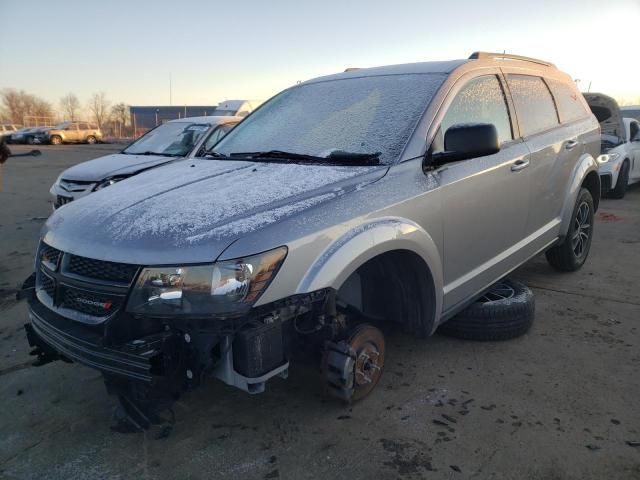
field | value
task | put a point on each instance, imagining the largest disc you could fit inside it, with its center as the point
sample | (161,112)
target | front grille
(48,285)
(95,305)
(61,200)
(50,257)
(101,270)
(80,288)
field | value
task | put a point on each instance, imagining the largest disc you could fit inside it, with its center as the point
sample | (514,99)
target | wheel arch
(406,250)
(585,174)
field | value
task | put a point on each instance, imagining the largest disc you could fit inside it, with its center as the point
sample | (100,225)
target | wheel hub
(367,368)
(501,291)
(582,229)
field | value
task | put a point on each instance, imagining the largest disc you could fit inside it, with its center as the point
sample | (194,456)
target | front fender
(360,244)
(584,166)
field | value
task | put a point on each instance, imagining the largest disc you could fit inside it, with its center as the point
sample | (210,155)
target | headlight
(607,157)
(231,286)
(107,183)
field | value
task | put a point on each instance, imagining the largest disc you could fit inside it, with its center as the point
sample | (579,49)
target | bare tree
(70,106)
(19,104)
(99,106)
(120,115)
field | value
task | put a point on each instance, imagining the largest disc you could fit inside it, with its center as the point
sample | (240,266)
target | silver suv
(394,194)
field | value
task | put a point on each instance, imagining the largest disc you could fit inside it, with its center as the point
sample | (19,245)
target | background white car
(620,145)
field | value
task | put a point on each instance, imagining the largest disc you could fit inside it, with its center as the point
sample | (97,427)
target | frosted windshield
(357,115)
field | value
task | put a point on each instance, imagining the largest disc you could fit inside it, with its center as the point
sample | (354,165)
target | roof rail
(508,56)
(351,69)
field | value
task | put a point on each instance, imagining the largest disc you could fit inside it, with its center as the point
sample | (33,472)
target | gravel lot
(559,403)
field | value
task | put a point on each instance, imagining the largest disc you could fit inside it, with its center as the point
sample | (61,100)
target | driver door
(486,199)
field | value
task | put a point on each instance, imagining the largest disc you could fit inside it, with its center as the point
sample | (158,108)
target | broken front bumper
(172,359)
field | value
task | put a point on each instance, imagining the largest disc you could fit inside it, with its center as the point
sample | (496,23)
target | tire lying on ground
(504,312)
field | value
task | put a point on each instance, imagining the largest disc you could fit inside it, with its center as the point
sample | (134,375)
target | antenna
(170,88)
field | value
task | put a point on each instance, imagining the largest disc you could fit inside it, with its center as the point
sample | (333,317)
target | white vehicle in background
(619,162)
(166,143)
(8,129)
(237,108)
(631,111)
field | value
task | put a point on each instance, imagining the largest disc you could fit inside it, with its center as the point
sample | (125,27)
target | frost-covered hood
(191,211)
(608,113)
(113,165)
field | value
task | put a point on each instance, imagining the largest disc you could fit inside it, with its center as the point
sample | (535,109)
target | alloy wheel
(581,230)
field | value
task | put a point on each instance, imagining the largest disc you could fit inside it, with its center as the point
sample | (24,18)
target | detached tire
(504,312)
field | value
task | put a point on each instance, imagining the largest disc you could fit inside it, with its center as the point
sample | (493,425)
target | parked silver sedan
(166,143)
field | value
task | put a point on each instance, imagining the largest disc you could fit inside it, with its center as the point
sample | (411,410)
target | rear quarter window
(534,104)
(570,105)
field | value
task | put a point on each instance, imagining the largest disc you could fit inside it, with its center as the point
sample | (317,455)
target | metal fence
(36,121)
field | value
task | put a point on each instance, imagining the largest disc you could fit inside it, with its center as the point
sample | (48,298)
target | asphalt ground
(561,402)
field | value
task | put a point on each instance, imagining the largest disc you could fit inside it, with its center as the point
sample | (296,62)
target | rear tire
(55,140)
(621,184)
(571,254)
(504,312)
(30,140)
(91,139)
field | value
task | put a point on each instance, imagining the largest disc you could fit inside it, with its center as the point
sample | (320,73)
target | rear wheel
(30,140)
(571,254)
(91,139)
(55,140)
(623,181)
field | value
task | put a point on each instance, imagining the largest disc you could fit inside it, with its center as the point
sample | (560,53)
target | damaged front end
(147,333)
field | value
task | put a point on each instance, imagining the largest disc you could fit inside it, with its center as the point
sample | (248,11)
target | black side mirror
(466,140)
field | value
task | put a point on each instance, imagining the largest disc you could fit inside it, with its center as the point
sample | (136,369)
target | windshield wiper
(156,153)
(337,157)
(212,154)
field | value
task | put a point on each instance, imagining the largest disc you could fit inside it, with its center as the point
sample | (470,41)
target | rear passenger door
(555,150)
(71,133)
(485,199)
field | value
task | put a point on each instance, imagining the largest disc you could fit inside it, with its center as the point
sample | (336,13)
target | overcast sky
(253,49)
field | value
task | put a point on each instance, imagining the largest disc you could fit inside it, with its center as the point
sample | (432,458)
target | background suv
(395,194)
(73,132)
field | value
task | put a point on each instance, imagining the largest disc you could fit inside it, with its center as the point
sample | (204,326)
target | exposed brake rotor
(354,366)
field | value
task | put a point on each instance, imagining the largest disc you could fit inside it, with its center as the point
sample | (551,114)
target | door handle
(519,165)
(571,144)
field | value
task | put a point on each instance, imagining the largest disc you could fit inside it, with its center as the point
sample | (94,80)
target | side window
(480,101)
(83,126)
(633,131)
(568,99)
(217,134)
(534,104)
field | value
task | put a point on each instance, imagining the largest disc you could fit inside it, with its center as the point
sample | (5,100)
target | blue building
(145,118)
